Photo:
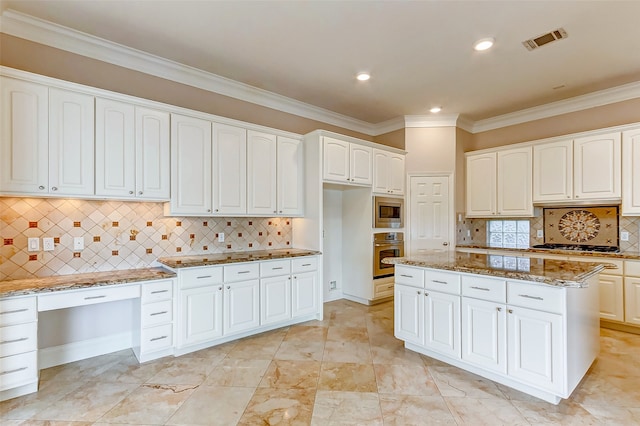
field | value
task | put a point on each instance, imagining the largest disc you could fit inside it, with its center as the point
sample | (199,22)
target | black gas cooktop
(579,247)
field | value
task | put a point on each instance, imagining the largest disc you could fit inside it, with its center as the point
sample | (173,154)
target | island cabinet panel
(409,314)
(484,330)
(442,323)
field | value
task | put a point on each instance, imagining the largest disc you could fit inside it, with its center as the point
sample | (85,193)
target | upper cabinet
(388,172)
(586,168)
(631,172)
(229,169)
(347,163)
(499,183)
(153,163)
(290,176)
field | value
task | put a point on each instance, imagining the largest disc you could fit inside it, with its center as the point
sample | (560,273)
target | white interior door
(429,213)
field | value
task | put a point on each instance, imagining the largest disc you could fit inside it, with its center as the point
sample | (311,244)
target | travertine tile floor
(347,369)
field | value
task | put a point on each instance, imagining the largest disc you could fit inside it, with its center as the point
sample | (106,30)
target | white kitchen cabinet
(553,171)
(241,306)
(201,319)
(484,334)
(632,300)
(71,143)
(442,323)
(408,304)
(115,149)
(304,294)
(346,162)
(261,173)
(24,148)
(229,169)
(631,172)
(611,289)
(191,174)
(153,164)
(290,176)
(388,172)
(597,167)
(481,189)
(154,337)
(275,299)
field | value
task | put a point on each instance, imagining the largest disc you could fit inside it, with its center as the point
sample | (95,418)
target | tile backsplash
(119,235)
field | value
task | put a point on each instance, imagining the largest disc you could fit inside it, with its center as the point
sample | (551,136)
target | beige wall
(463,138)
(590,119)
(40,59)
(395,139)
(430,149)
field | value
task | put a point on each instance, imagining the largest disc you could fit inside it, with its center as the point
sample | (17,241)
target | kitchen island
(531,324)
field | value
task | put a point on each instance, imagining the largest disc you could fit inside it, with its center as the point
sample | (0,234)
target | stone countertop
(235,257)
(546,271)
(80,281)
(630,255)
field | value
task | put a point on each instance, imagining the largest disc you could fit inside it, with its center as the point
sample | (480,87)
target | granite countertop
(631,255)
(546,271)
(80,281)
(235,257)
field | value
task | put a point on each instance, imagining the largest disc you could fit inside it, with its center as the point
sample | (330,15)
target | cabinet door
(408,306)
(442,323)
(261,173)
(190,165)
(229,169)
(115,149)
(152,154)
(381,172)
(632,300)
(396,174)
(535,347)
(553,171)
(201,314)
(361,164)
(304,294)
(597,167)
(481,185)
(484,334)
(611,290)
(335,162)
(631,172)
(71,143)
(241,306)
(24,152)
(275,299)
(514,183)
(290,177)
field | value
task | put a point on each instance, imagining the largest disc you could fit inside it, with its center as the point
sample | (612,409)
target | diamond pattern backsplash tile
(119,235)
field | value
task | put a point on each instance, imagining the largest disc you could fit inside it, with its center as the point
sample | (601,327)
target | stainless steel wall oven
(386,244)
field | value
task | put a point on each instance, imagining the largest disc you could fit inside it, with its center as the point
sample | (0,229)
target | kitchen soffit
(420,53)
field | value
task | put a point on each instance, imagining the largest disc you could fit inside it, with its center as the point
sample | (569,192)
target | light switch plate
(221,237)
(540,233)
(47,244)
(624,236)
(78,243)
(33,244)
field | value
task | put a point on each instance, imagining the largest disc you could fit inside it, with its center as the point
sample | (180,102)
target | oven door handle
(388,244)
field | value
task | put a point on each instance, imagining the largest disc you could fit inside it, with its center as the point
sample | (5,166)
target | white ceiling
(418,52)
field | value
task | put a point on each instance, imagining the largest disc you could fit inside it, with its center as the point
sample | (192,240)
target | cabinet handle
(95,297)
(531,297)
(439,282)
(158,338)
(41,187)
(203,277)
(243,272)
(406,276)
(279,267)
(13,371)
(480,288)
(130,192)
(510,311)
(15,311)
(499,309)
(158,313)
(390,286)
(22,339)
(159,291)
(306,264)
(54,188)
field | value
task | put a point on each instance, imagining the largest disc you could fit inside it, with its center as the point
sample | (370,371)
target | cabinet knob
(139,192)
(418,291)
(228,287)
(281,211)
(130,192)
(54,188)
(275,211)
(220,288)
(499,309)
(209,210)
(426,294)
(510,311)
(41,187)
(216,209)
(568,196)
(577,196)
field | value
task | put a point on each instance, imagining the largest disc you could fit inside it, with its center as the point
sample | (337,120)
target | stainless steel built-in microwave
(388,212)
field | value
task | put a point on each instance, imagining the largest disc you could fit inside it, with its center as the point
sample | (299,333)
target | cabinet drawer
(156,291)
(19,310)
(631,268)
(67,299)
(383,289)
(484,288)
(200,277)
(19,338)
(304,264)
(409,276)
(536,297)
(18,370)
(157,313)
(442,281)
(241,272)
(274,268)
(156,338)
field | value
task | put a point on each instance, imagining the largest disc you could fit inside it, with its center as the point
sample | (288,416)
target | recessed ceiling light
(483,44)
(435,109)
(363,76)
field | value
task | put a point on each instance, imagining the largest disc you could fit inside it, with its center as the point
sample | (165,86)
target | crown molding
(47,33)
(621,93)
(388,126)
(438,120)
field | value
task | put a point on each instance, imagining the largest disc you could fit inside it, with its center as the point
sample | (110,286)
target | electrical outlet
(221,237)
(47,244)
(33,244)
(332,285)
(468,233)
(540,233)
(624,236)
(78,243)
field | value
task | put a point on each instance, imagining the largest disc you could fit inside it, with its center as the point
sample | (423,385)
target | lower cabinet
(484,334)
(611,297)
(632,300)
(304,294)
(156,313)
(275,299)
(201,314)
(241,307)
(442,323)
(408,308)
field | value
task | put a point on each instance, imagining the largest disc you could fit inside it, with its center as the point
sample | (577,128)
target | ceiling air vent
(543,39)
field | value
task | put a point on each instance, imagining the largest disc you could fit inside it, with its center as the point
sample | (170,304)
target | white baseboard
(75,351)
